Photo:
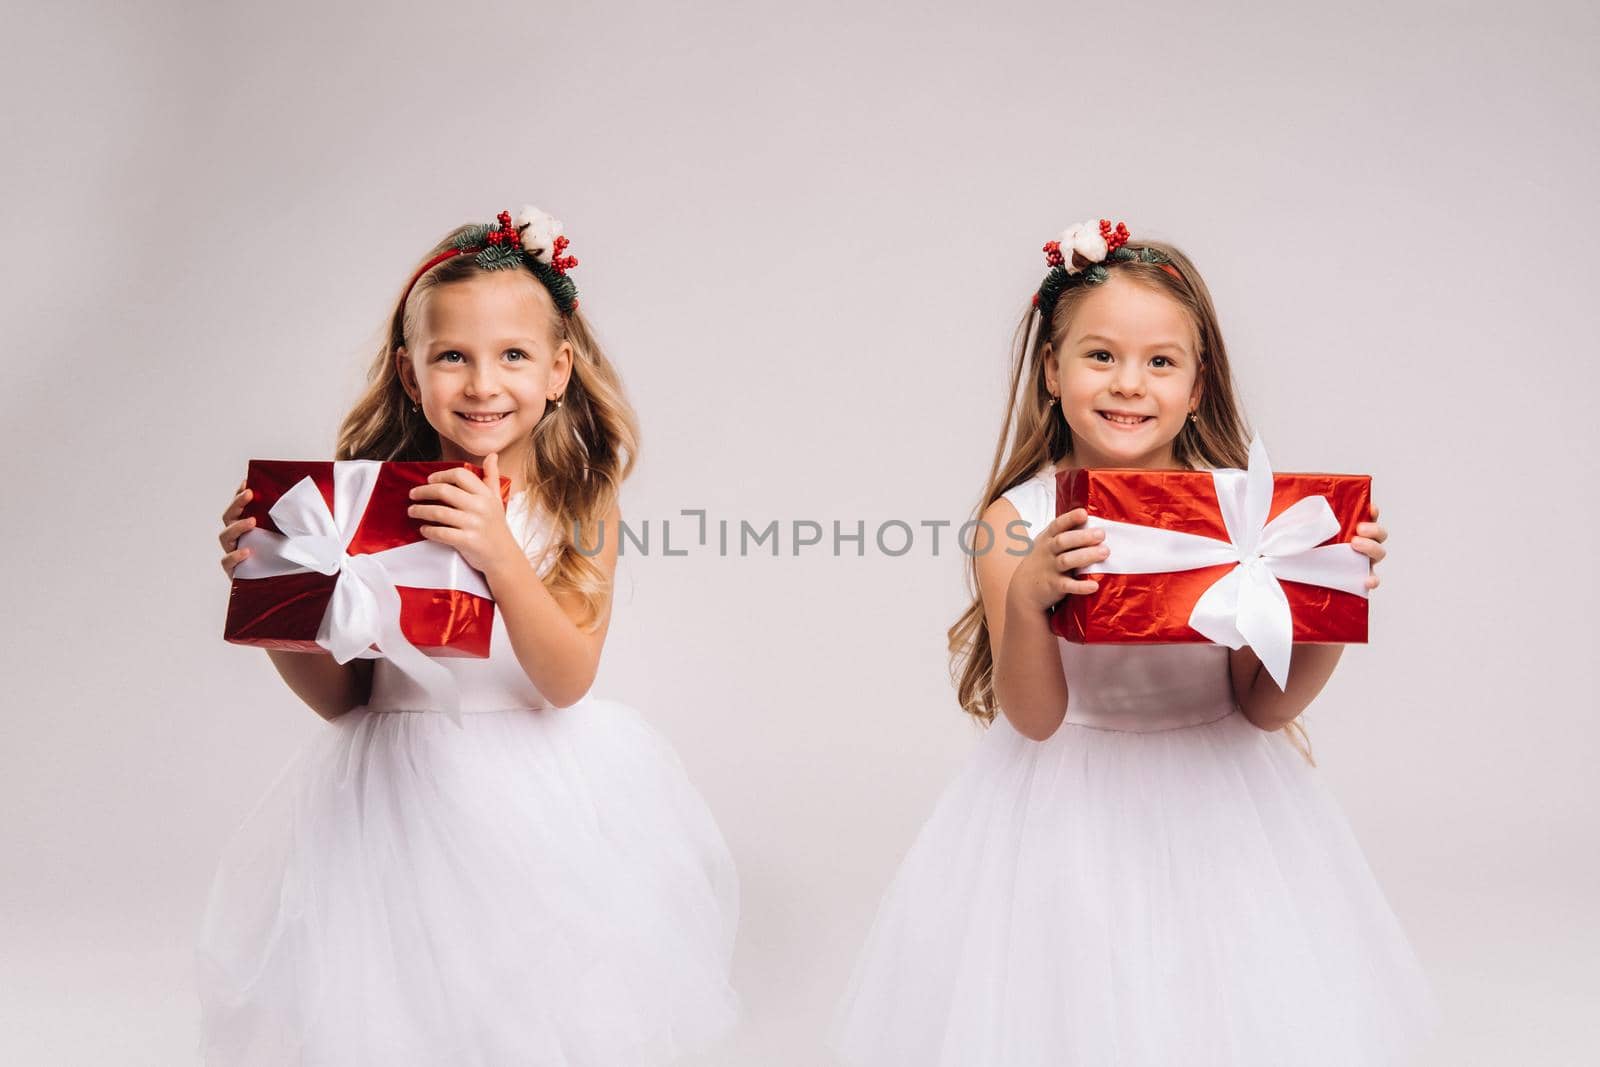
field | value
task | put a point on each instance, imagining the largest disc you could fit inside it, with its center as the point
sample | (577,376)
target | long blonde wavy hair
(581,451)
(1037,432)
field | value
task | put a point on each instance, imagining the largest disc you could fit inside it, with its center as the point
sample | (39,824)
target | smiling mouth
(1125,420)
(483,420)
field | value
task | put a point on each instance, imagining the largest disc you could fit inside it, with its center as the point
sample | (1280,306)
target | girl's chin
(475,448)
(1117,449)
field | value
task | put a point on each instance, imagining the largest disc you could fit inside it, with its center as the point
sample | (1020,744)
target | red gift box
(1146,515)
(278,603)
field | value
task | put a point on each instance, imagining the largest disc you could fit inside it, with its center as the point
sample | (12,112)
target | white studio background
(806,233)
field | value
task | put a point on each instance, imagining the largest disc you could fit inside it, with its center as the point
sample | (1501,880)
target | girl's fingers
(456,476)
(233,559)
(1372,530)
(1067,520)
(236,505)
(1078,538)
(438,516)
(1368,547)
(1069,586)
(445,535)
(1081,557)
(231,532)
(444,492)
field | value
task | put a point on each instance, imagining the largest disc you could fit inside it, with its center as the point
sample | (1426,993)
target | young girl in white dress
(1139,865)
(541,885)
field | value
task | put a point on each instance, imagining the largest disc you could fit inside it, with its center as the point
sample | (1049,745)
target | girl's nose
(482,382)
(1129,381)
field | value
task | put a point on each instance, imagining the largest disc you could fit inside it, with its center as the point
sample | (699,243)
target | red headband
(426,267)
(503,246)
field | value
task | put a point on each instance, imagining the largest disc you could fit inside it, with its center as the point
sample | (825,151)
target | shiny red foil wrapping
(1154,608)
(285,612)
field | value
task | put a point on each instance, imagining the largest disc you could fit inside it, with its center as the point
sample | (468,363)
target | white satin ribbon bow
(1247,605)
(365,607)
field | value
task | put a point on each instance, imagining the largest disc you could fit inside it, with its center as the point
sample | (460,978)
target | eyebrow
(509,342)
(1159,344)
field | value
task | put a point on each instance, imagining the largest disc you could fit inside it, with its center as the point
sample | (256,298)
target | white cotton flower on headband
(1086,239)
(539,233)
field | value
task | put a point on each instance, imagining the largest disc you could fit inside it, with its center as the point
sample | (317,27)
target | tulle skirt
(541,888)
(1120,899)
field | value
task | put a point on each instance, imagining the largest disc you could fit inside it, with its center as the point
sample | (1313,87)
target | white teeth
(483,418)
(1122,420)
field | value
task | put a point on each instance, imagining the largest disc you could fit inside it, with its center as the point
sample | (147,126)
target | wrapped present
(1231,556)
(337,566)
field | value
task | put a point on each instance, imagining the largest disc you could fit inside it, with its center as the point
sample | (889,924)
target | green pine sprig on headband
(472,237)
(533,239)
(1090,246)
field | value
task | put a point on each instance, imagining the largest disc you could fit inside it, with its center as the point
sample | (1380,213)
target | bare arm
(1017,592)
(559,658)
(325,685)
(1028,680)
(1263,703)
(459,509)
(1310,666)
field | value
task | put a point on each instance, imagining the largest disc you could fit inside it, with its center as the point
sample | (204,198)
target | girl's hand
(233,528)
(1369,541)
(1044,576)
(461,510)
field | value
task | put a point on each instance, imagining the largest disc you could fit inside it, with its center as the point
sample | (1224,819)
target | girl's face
(483,364)
(1127,373)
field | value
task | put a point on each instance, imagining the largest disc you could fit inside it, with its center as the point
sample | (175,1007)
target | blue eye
(516,352)
(1168,360)
(443,356)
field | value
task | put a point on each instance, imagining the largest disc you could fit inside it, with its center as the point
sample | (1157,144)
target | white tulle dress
(1157,883)
(543,888)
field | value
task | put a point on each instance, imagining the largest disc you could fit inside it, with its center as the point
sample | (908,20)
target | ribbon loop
(364,609)
(312,537)
(1246,606)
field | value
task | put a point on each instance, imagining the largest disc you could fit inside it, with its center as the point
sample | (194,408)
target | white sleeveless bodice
(495,684)
(1136,688)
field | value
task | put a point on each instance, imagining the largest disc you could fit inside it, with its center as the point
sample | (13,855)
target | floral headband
(533,239)
(1089,245)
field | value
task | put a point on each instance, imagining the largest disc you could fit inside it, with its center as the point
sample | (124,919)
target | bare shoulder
(1000,512)
(996,565)
(1000,535)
